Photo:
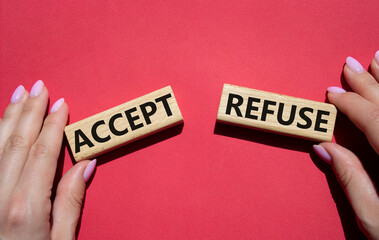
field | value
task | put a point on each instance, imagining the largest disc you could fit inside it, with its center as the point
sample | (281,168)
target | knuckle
(21,210)
(17,212)
(76,200)
(73,196)
(369,84)
(345,177)
(9,116)
(16,142)
(33,109)
(39,150)
(51,122)
(29,107)
(374,115)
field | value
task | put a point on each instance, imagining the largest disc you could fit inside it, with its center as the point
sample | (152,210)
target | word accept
(123,124)
(277,113)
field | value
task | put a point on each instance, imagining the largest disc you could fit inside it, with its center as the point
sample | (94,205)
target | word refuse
(123,124)
(277,113)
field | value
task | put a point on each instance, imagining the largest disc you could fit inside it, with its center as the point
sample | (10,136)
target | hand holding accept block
(123,124)
(277,113)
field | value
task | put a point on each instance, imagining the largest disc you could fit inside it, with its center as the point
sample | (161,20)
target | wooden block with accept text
(123,124)
(277,113)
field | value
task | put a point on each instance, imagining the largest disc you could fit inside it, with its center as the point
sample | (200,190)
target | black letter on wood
(78,144)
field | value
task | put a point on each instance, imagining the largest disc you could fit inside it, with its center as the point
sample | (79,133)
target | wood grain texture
(123,124)
(277,113)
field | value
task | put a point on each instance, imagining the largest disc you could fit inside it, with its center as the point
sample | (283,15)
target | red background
(199,180)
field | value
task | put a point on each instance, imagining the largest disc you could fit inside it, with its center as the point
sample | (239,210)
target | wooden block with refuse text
(123,124)
(277,113)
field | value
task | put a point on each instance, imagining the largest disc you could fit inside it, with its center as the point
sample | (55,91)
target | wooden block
(277,113)
(123,124)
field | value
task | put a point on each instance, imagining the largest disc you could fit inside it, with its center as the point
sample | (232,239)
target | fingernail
(377,57)
(57,105)
(354,65)
(336,90)
(36,89)
(322,153)
(89,170)
(17,94)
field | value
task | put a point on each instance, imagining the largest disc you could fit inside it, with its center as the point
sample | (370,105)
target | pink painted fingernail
(322,153)
(336,90)
(17,94)
(377,57)
(89,170)
(57,105)
(354,65)
(36,89)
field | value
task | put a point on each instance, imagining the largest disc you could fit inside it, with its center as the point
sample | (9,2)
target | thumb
(68,201)
(356,183)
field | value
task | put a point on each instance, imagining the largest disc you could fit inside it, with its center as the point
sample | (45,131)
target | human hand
(362,108)
(29,148)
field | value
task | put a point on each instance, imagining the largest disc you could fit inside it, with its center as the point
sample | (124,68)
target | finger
(42,159)
(364,114)
(361,81)
(12,114)
(355,182)
(26,132)
(68,201)
(375,66)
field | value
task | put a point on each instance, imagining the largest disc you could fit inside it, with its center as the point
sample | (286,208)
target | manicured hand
(29,148)
(362,108)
